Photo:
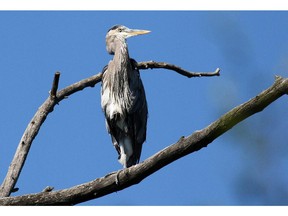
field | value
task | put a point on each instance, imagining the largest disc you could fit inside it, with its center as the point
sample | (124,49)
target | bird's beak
(135,32)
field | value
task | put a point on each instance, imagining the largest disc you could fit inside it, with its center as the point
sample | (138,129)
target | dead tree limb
(55,97)
(135,174)
(164,65)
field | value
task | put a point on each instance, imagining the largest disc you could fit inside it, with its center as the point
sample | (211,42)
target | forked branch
(55,97)
(135,174)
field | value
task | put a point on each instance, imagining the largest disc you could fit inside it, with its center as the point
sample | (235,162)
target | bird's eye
(120,30)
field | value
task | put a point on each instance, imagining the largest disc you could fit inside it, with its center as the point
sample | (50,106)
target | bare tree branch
(153,64)
(55,97)
(135,174)
(34,126)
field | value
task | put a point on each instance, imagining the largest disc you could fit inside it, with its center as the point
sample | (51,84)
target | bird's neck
(122,70)
(121,54)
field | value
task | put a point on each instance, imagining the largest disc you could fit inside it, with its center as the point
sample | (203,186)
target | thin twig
(55,84)
(153,64)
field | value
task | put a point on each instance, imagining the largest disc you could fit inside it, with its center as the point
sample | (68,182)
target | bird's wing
(137,115)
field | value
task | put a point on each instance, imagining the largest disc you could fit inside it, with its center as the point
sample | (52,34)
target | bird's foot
(117,178)
(117,181)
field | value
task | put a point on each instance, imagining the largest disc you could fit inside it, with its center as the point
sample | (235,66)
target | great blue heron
(123,97)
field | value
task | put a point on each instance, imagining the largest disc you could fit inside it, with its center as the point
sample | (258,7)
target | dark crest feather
(114,27)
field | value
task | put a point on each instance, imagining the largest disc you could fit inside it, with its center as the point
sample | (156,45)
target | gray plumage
(123,97)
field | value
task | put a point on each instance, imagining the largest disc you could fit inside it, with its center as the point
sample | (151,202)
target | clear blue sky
(246,166)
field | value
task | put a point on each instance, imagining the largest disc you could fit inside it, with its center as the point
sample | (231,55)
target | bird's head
(125,32)
(122,33)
